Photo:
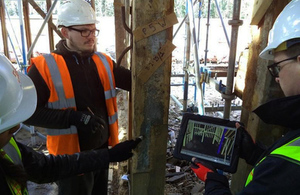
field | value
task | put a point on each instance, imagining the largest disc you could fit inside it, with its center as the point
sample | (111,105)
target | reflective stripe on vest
(107,79)
(62,101)
(112,92)
(13,154)
(289,152)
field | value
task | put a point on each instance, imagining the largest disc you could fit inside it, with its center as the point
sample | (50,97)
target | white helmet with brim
(285,31)
(76,12)
(18,98)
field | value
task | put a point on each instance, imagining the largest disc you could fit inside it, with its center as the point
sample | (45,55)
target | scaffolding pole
(235,23)
(22,36)
(196,59)
(207,32)
(186,62)
(49,13)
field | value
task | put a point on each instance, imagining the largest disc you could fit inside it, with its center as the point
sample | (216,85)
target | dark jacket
(45,169)
(273,175)
(88,92)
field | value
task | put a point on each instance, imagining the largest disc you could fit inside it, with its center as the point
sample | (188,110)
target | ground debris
(180,179)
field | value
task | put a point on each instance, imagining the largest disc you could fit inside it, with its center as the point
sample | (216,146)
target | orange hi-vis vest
(55,73)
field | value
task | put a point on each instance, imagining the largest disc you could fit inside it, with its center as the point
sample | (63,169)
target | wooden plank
(164,52)
(92,4)
(41,12)
(3,28)
(120,39)
(176,178)
(155,27)
(259,9)
(50,29)
(241,74)
(124,108)
(27,23)
(150,100)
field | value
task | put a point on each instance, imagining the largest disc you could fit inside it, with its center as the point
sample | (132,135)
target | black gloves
(122,151)
(249,150)
(87,121)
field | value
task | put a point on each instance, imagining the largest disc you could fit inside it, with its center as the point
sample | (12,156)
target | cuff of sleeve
(74,117)
(257,153)
(217,178)
(216,184)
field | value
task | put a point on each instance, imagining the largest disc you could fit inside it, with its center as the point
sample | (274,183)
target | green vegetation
(106,8)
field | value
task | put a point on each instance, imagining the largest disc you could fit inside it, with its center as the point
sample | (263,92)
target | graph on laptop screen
(199,135)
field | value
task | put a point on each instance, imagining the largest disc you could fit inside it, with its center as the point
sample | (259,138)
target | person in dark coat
(277,168)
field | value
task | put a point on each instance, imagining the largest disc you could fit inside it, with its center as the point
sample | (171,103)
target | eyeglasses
(86,33)
(274,69)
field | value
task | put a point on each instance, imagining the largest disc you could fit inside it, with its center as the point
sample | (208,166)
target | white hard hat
(286,27)
(18,97)
(76,12)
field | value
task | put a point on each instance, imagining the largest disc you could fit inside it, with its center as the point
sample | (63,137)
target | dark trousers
(93,183)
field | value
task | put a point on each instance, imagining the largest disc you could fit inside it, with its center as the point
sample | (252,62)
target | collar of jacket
(283,111)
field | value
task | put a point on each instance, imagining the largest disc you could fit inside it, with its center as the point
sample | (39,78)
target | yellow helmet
(18,97)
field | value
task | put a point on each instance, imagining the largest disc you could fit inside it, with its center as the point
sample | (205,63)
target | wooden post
(50,30)
(123,58)
(27,24)
(120,35)
(151,69)
(3,28)
(43,15)
(93,4)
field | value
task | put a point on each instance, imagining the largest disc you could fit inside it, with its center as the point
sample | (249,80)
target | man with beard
(76,89)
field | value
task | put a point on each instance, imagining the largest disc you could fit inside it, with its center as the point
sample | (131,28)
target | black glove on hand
(248,149)
(87,122)
(122,151)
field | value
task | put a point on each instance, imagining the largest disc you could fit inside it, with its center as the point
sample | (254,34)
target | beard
(85,49)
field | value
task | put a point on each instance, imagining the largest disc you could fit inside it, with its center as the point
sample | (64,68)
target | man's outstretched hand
(123,150)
